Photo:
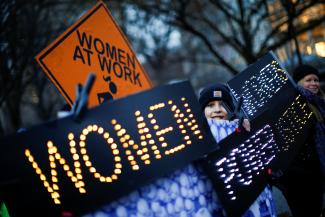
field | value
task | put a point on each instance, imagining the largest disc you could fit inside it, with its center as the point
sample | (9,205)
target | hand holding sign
(82,97)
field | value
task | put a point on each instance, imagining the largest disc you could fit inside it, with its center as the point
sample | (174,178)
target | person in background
(217,105)
(307,77)
(302,183)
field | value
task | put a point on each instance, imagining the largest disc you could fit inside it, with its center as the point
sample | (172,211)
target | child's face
(215,110)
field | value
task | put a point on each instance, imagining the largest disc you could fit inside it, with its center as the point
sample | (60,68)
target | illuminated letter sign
(258,84)
(279,125)
(94,44)
(117,147)
(239,168)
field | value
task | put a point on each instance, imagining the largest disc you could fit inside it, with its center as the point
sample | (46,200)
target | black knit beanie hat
(303,70)
(219,92)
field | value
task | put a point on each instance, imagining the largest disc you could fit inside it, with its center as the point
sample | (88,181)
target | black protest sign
(280,120)
(117,147)
(258,84)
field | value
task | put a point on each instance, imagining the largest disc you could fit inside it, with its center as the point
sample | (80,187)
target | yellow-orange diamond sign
(94,44)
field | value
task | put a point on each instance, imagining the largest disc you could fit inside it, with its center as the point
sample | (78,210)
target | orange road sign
(94,44)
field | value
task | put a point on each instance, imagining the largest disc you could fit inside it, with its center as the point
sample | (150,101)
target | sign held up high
(94,44)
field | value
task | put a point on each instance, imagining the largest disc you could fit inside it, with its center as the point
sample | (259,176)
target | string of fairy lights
(260,87)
